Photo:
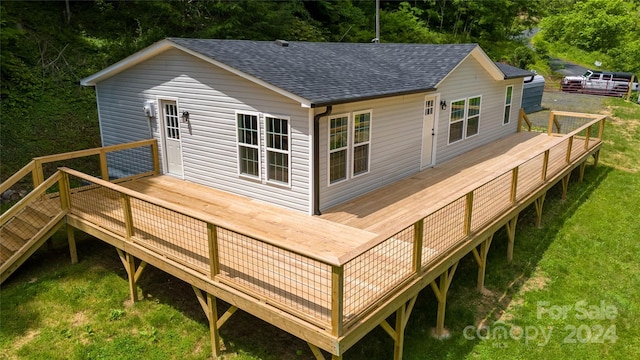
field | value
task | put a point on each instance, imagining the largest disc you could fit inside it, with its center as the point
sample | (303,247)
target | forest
(48,46)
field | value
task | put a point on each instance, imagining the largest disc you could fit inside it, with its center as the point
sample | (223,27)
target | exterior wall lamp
(185,116)
(443,105)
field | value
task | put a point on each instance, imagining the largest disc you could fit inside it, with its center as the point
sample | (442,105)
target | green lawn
(571,292)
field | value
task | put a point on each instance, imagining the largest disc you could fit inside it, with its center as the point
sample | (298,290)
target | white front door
(428,131)
(171,134)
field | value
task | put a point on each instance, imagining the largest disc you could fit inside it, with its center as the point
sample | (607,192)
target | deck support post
(133,273)
(511,235)
(481,259)
(583,165)
(210,308)
(596,157)
(440,290)
(71,237)
(317,353)
(565,185)
(397,332)
(539,202)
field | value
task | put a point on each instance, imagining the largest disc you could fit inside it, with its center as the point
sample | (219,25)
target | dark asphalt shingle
(326,73)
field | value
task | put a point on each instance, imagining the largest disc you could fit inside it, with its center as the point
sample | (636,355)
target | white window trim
(510,104)
(267,149)
(238,144)
(353,144)
(464,119)
(347,148)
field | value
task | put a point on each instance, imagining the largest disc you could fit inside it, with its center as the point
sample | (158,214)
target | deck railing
(330,295)
(425,241)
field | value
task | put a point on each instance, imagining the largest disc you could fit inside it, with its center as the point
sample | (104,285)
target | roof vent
(282,43)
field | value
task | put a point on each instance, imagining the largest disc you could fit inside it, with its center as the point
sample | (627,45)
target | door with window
(171,138)
(428,130)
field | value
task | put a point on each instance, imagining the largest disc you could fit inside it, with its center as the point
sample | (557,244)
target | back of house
(305,126)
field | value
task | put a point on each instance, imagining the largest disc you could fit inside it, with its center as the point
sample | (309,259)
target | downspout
(316,159)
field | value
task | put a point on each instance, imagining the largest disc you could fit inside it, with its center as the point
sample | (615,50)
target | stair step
(34,217)
(10,240)
(47,207)
(5,254)
(21,228)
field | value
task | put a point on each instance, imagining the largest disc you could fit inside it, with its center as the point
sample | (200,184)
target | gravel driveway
(552,100)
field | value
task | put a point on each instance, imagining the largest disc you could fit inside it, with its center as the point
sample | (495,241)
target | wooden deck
(327,279)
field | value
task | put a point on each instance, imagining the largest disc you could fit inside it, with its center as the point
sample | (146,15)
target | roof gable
(317,74)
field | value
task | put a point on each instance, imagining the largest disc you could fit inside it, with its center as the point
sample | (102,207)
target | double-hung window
(264,139)
(338,148)
(349,145)
(361,140)
(248,145)
(464,120)
(277,149)
(507,105)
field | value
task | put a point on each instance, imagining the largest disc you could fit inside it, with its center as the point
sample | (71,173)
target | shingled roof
(327,73)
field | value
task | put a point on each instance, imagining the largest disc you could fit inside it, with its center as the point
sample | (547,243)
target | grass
(565,282)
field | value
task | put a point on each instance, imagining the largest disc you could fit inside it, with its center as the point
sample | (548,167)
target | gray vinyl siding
(212,96)
(470,80)
(395,145)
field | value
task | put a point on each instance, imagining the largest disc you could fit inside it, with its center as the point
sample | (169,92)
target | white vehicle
(601,83)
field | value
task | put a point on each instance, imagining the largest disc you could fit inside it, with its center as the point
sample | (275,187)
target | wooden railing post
(104,167)
(569,146)
(65,191)
(418,235)
(520,118)
(337,299)
(514,184)
(468,213)
(38,174)
(545,165)
(214,260)
(128,216)
(587,138)
(601,129)
(154,157)
(550,124)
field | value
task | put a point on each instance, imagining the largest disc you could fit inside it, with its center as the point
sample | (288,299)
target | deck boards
(404,202)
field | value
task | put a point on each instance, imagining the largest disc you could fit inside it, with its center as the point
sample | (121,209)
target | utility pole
(377,38)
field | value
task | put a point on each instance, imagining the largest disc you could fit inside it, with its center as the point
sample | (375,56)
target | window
(277,149)
(361,137)
(507,105)
(338,145)
(349,145)
(248,145)
(464,120)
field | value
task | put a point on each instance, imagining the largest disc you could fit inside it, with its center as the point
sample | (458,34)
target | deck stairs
(24,228)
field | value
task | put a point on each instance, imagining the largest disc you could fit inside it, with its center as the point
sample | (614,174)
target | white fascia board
(484,60)
(127,62)
(303,102)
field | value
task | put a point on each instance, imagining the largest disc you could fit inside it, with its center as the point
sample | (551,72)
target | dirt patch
(19,342)
(499,306)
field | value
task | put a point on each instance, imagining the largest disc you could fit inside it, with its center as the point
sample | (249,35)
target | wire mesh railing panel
(171,233)
(129,162)
(529,176)
(569,123)
(443,229)
(593,136)
(98,205)
(289,279)
(377,271)
(577,147)
(557,158)
(89,165)
(490,200)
